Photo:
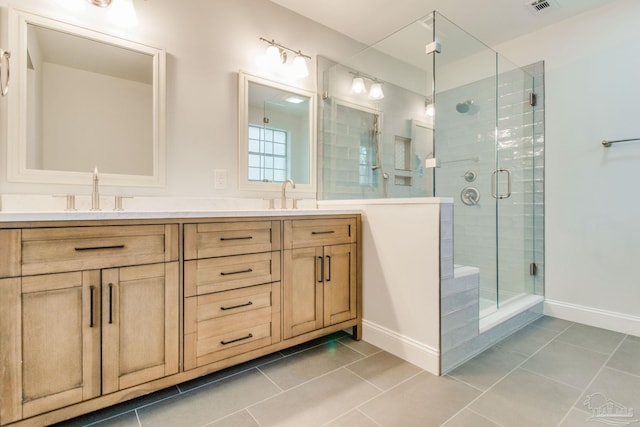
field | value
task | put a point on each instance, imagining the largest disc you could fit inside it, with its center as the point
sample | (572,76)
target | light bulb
(122,13)
(357,85)
(272,57)
(430,110)
(375,92)
(299,67)
(73,5)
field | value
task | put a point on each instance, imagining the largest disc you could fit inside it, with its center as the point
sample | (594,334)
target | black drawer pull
(237,238)
(323,232)
(96,248)
(237,306)
(236,340)
(248,270)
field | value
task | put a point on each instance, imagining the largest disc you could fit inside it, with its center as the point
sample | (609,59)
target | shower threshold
(491,317)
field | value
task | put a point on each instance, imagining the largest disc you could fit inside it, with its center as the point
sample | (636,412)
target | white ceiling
(491,21)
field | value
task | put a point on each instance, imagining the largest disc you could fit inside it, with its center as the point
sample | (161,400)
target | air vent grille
(537,7)
(540,5)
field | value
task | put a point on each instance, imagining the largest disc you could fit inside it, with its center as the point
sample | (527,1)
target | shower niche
(456,122)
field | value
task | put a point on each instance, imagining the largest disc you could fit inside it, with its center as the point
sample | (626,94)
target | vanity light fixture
(120,12)
(100,3)
(275,59)
(358,86)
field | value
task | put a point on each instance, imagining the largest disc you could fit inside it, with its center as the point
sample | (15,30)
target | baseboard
(591,316)
(420,354)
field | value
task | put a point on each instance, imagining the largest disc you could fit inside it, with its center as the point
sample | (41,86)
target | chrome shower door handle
(494,187)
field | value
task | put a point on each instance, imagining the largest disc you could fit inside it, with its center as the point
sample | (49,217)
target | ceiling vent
(538,7)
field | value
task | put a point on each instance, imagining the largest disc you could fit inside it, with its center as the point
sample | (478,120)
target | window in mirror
(277,135)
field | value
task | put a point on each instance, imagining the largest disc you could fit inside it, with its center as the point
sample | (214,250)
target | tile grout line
(622,372)
(270,380)
(387,391)
(558,333)
(604,365)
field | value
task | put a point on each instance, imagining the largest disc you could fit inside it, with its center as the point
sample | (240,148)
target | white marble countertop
(115,215)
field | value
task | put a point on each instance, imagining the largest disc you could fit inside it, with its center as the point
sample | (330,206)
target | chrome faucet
(283,200)
(95,192)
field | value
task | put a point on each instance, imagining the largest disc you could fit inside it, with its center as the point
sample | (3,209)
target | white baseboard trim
(420,354)
(591,316)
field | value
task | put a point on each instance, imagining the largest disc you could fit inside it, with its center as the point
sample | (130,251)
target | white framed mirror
(277,135)
(84,99)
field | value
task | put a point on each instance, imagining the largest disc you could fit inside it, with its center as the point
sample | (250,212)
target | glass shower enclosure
(432,111)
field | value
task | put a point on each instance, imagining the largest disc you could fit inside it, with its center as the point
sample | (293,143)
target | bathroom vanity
(94,312)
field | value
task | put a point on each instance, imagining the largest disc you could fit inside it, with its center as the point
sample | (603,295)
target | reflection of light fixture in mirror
(375,91)
(429,108)
(275,59)
(357,85)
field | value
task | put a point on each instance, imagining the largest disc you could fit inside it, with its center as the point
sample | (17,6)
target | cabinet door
(139,324)
(339,283)
(302,283)
(60,340)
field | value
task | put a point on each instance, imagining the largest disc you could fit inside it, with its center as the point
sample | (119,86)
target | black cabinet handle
(329,273)
(237,238)
(248,270)
(97,248)
(91,290)
(321,269)
(236,340)
(237,306)
(110,303)
(323,232)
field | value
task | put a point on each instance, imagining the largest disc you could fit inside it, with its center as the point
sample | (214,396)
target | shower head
(463,107)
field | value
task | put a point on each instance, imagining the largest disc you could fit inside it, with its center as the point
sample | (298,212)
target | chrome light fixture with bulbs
(275,59)
(120,12)
(359,86)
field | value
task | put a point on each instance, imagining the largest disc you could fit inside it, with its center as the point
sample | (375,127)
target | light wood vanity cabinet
(320,274)
(232,289)
(89,315)
(94,313)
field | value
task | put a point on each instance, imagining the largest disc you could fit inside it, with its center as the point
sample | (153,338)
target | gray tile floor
(551,373)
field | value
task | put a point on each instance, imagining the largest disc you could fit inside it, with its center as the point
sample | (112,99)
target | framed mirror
(277,135)
(84,99)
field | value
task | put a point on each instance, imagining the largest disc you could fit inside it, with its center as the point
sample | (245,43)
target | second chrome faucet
(283,199)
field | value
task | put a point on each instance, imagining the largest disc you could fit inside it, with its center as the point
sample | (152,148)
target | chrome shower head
(463,107)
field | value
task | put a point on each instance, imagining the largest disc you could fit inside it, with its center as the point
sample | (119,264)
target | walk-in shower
(456,120)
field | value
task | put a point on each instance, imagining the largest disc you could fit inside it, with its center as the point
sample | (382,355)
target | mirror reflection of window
(278,135)
(268,148)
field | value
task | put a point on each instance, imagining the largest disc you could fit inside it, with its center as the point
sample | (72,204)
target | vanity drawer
(51,250)
(319,232)
(209,275)
(231,238)
(225,324)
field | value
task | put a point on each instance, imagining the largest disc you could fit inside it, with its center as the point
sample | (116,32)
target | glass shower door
(514,180)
